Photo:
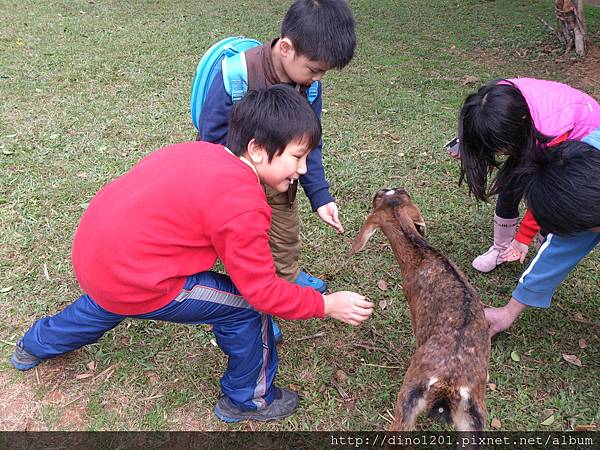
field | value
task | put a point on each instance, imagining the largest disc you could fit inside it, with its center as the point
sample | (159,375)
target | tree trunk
(571,25)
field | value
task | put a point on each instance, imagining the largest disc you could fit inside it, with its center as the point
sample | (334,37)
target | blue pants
(553,262)
(244,334)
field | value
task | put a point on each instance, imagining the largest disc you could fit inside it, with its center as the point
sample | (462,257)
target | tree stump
(571,25)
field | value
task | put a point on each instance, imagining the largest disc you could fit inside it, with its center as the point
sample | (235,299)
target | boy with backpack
(147,241)
(316,36)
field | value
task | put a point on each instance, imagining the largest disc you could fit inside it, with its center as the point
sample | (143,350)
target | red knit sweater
(172,215)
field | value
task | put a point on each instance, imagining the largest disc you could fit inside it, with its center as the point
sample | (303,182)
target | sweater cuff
(523,239)
(320,198)
(320,308)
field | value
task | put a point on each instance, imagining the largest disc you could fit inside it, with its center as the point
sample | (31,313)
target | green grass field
(89,88)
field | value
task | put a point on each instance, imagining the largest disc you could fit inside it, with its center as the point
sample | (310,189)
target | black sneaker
(23,360)
(285,403)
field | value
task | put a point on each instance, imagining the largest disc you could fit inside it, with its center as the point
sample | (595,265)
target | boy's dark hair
(563,188)
(274,117)
(321,30)
(495,118)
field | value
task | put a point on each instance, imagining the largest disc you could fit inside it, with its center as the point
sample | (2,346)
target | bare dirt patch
(586,74)
(17,406)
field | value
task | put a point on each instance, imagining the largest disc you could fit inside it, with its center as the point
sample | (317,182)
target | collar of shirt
(245,161)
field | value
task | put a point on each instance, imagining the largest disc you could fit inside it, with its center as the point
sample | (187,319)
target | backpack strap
(235,76)
(312,92)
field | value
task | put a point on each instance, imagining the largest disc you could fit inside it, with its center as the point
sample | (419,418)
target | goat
(448,372)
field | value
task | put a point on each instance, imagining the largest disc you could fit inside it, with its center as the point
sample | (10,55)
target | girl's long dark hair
(496,119)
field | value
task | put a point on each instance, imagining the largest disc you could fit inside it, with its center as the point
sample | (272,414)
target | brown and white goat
(448,371)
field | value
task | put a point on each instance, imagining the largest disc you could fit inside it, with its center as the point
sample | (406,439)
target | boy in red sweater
(147,241)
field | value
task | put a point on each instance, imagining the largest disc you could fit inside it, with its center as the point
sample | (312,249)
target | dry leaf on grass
(469,79)
(515,356)
(341,376)
(383,304)
(548,417)
(83,376)
(496,423)
(572,359)
(491,386)
(381,284)
(582,343)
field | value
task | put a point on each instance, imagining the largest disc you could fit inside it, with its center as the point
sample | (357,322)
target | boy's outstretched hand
(329,214)
(349,307)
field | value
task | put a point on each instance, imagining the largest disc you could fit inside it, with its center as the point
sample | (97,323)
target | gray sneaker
(22,359)
(285,403)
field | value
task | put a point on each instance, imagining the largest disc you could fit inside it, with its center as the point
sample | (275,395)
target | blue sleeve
(313,182)
(556,258)
(214,117)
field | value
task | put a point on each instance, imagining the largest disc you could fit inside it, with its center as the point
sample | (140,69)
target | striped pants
(243,334)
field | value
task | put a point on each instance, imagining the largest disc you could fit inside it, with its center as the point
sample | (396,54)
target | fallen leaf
(383,304)
(551,332)
(55,396)
(5,290)
(572,359)
(381,284)
(83,376)
(469,79)
(582,343)
(341,376)
(549,421)
(322,388)
(496,423)
(583,427)
(91,365)
(515,356)
(491,386)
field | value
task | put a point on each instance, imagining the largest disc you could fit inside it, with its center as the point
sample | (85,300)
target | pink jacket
(557,108)
(560,111)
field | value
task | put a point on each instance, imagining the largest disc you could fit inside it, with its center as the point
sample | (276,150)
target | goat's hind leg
(469,415)
(409,404)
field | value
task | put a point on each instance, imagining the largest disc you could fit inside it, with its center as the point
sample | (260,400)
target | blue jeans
(244,334)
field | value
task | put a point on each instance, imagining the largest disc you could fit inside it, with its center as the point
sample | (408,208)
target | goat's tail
(463,406)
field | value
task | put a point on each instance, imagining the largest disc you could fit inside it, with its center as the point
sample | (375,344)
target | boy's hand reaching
(329,214)
(516,251)
(348,307)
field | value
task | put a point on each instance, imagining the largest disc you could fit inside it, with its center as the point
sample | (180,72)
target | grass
(88,88)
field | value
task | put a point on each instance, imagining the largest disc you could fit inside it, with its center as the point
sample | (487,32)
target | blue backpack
(228,55)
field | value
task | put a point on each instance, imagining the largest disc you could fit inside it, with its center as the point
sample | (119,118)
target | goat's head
(389,204)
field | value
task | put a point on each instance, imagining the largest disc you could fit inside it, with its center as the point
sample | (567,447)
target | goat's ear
(366,231)
(415,215)
(421,228)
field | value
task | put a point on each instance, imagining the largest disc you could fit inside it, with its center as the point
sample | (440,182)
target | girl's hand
(329,214)
(516,251)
